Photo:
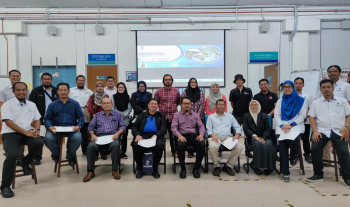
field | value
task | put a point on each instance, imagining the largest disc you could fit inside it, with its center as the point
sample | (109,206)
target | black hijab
(121,100)
(193,93)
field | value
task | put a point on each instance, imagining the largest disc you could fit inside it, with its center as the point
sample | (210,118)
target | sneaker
(293,162)
(315,178)
(124,156)
(308,159)
(285,178)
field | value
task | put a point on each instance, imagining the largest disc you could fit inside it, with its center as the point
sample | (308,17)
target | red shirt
(168,101)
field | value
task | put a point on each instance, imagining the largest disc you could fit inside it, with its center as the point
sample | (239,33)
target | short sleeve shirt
(267,101)
(241,100)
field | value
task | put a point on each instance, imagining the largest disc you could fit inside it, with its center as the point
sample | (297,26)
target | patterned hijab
(99,96)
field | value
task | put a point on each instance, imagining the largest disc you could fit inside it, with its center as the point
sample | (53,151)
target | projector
(265,27)
(345,24)
(99,29)
(51,30)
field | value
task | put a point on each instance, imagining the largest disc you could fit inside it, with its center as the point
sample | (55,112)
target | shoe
(285,178)
(55,159)
(124,156)
(267,171)
(175,154)
(6,192)
(89,176)
(257,171)
(220,154)
(37,162)
(116,174)
(156,174)
(347,182)
(139,174)
(217,171)
(308,159)
(293,162)
(315,178)
(183,174)
(228,170)
(84,153)
(190,155)
(26,169)
(249,154)
(195,173)
(71,163)
(19,162)
(104,157)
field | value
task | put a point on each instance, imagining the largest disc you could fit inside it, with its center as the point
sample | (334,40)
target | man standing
(42,96)
(64,112)
(184,127)
(330,120)
(266,98)
(17,115)
(169,99)
(82,95)
(240,98)
(110,89)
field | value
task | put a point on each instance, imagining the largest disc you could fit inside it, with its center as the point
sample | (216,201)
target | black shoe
(183,174)
(124,156)
(139,174)
(267,171)
(315,178)
(104,157)
(256,170)
(37,162)
(249,154)
(84,153)
(26,169)
(308,159)
(156,174)
(293,162)
(6,192)
(19,162)
(71,162)
(195,173)
(347,182)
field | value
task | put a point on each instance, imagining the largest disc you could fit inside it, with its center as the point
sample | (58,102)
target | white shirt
(298,119)
(81,96)
(330,115)
(341,89)
(109,92)
(309,99)
(7,94)
(22,114)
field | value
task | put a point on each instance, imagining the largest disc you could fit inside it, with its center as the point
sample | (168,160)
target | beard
(47,86)
(80,87)
(21,99)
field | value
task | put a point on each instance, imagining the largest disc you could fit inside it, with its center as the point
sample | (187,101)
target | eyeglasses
(186,104)
(110,81)
(287,87)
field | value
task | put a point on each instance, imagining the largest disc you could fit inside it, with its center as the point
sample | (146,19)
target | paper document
(148,143)
(104,140)
(63,129)
(289,136)
(229,143)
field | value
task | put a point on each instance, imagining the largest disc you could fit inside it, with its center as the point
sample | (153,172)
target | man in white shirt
(82,95)
(110,89)
(330,120)
(17,116)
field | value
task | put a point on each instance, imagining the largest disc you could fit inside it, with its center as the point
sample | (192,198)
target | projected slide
(183,54)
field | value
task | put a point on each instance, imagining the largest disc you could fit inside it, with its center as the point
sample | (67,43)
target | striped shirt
(107,124)
(168,101)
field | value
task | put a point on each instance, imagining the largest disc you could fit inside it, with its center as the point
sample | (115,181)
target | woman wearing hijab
(290,113)
(121,102)
(214,95)
(95,101)
(197,98)
(140,98)
(257,129)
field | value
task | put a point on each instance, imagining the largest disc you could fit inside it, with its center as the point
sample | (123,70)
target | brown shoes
(175,154)
(89,176)
(116,175)
(228,170)
(216,171)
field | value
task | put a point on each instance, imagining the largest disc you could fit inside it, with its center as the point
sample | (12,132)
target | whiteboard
(4,81)
(311,79)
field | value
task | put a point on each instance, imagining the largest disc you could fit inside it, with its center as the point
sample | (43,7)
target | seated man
(63,112)
(184,127)
(219,127)
(149,124)
(107,122)
(330,120)
(17,115)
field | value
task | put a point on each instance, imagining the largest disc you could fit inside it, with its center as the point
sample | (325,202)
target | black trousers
(342,151)
(139,151)
(198,145)
(173,148)
(284,147)
(11,142)
(85,137)
(93,148)
(125,141)
(306,140)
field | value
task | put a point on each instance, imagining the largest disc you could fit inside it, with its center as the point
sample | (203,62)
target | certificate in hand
(63,129)
(104,140)
(229,143)
(289,136)
(148,143)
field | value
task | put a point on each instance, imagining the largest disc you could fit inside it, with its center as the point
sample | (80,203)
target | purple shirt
(186,123)
(107,124)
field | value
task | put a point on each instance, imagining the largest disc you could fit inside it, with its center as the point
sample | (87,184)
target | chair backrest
(270,120)
(205,119)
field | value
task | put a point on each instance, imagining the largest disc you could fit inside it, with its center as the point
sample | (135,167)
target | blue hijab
(291,104)
(142,96)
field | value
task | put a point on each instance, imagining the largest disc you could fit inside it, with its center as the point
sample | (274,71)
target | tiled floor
(170,190)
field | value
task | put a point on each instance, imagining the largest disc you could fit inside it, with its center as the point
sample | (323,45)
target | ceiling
(158,3)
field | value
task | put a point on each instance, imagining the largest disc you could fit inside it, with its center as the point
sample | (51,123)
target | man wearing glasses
(110,89)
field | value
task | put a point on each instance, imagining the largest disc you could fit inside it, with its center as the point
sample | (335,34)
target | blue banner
(104,59)
(263,57)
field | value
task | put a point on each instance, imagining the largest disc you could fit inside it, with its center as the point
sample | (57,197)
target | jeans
(51,143)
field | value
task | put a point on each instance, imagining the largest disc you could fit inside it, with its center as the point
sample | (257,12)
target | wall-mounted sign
(101,59)
(101,77)
(131,76)
(263,57)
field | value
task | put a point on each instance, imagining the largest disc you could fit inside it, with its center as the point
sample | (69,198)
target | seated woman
(257,129)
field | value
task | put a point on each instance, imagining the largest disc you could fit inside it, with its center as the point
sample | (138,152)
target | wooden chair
(32,165)
(334,163)
(58,165)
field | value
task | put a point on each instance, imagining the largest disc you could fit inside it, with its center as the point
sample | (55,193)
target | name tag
(339,89)
(338,103)
(246,93)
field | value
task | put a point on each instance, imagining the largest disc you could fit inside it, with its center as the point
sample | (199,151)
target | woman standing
(140,99)
(197,98)
(257,129)
(214,95)
(290,112)
(122,104)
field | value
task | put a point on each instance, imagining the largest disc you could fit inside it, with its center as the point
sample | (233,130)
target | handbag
(147,163)
(85,111)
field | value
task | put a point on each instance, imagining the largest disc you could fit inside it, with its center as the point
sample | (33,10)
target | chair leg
(164,157)
(174,166)
(335,164)
(61,139)
(301,161)
(238,168)
(119,166)
(133,163)
(246,166)
(76,164)
(14,179)
(34,172)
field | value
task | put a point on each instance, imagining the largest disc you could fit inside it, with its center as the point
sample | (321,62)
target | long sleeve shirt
(107,124)
(187,123)
(198,106)
(168,101)
(221,125)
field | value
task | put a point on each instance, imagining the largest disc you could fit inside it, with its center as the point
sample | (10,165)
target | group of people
(107,109)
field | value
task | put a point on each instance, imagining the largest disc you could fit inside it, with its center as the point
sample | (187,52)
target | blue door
(66,74)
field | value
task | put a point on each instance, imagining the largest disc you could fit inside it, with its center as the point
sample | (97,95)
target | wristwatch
(348,127)
(38,129)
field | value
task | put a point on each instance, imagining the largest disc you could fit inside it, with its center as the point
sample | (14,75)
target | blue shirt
(221,125)
(64,114)
(150,125)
